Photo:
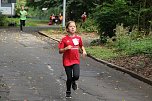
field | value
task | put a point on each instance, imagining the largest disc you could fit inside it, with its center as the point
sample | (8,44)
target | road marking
(50,68)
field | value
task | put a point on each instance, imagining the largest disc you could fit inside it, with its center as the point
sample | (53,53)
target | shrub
(3,20)
(89,25)
(132,43)
(109,15)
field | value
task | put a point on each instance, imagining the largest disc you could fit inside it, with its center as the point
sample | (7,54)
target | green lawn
(101,52)
(29,21)
(134,47)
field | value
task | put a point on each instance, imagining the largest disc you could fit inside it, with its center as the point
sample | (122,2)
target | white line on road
(50,68)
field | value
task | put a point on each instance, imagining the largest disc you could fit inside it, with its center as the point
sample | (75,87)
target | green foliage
(123,44)
(40,14)
(131,43)
(87,26)
(29,22)
(3,20)
(45,4)
(103,39)
(36,13)
(75,8)
(35,22)
(144,9)
(13,20)
(18,6)
(35,8)
(95,42)
(108,15)
(140,46)
(132,47)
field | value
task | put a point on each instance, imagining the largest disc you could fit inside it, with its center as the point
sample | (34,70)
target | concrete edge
(131,73)
(48,36)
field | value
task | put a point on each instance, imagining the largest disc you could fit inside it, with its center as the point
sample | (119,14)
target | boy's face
(71,28)
(22,7)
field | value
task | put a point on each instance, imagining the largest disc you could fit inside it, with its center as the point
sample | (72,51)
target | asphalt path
(31,70)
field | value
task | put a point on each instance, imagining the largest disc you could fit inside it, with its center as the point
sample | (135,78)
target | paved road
(31,70)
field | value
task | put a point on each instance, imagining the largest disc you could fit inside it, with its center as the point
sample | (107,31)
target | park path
(31,70)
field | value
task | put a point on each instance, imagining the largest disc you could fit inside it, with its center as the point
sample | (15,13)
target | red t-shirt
(71,56)
(84,17)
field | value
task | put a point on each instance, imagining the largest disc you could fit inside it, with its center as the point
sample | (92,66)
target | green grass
(29,21)
(128,48)
(33,22)
(142,46)
(101,52)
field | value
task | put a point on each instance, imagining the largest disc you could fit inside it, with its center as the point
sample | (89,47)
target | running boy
(23,15)
(69,46)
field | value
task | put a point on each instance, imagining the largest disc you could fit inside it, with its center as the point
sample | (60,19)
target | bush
(109,15)
(3,20)
(95,42)
(143,46)
(132,43)
(89,25)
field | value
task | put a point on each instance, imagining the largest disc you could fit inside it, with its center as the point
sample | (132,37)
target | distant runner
(84,17)
(23,15)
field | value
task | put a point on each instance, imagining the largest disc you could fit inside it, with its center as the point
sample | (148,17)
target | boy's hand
(84,54)
(68,47)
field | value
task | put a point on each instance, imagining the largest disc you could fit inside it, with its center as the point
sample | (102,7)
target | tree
(75,8)
(144,9)
(109,15)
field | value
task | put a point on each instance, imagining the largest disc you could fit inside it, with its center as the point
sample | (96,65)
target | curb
(131,73)
(48,36)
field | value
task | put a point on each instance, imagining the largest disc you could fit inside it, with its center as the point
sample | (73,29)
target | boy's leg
(76,74)
(68,94)
(21,24)
(68,71)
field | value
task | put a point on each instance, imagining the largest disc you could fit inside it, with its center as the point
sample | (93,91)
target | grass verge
(101,52)
(29,21)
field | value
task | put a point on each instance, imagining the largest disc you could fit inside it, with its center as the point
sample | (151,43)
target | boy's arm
(19,13)
(26,13)
(83,51)
(62,50)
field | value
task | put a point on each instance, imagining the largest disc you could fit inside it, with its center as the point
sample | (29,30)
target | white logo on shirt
(75,41)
